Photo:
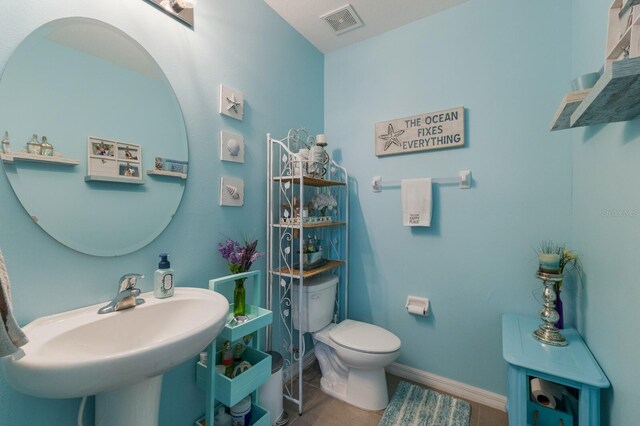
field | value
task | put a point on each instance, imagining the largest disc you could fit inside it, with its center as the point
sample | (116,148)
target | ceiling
(378,17)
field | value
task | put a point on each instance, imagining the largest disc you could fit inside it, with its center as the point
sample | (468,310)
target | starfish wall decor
(391,137)
(231,102)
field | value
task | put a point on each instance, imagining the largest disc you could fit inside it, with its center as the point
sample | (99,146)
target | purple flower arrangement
(239,257)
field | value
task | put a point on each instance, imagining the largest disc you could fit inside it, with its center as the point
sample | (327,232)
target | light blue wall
(507,63)
(242,43)
(607,229)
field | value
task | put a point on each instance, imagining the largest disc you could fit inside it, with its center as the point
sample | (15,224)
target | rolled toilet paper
(546,393)
(416,310)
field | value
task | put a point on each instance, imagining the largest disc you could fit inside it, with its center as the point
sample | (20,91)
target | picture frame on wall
(113,159)
(129,170)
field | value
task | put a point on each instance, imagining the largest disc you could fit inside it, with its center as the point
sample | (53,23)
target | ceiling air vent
(343,19)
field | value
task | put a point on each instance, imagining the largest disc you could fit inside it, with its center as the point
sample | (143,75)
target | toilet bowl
(352,354)
(352,357)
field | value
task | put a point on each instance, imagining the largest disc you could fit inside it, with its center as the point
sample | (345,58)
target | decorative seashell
(284,158)
(287,185)
(233,192)
(286,312)
(234,147)
(287,250)
(286,213)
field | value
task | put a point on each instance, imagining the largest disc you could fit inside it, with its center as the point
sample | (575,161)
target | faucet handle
(129,281)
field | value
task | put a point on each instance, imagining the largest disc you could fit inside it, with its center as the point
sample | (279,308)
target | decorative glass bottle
(238,298)
(559,307)
(6,146)
(45,147)
(33,146)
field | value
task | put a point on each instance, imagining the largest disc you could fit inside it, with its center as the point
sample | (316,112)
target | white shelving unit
(623,35)
(287,192)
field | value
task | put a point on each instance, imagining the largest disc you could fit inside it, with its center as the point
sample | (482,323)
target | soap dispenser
(163,278)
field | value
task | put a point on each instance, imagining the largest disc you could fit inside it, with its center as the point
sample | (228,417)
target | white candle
(549,262)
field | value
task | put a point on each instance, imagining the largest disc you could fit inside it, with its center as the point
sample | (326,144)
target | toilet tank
(318,301)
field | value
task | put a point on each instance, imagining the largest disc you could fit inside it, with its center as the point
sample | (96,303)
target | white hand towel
(416,202)
(11,336)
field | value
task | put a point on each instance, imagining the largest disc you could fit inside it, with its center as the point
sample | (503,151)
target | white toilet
(352,354)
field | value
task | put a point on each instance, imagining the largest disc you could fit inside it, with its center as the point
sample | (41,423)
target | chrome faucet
(126,296)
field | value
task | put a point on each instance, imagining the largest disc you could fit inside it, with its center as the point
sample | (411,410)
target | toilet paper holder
(417,305)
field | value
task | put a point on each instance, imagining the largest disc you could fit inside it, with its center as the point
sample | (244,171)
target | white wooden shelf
(627,5)
(96,178)
(308,181)
(309,225)
(34,158)
(625,40)
(167,173)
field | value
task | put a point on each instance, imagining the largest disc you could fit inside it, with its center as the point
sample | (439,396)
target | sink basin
(80,352)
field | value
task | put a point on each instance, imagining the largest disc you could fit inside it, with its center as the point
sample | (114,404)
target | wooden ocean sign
(424,132)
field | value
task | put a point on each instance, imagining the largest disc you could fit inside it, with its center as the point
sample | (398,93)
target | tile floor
(323,410)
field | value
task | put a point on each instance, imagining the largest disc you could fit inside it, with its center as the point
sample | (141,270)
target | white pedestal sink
(119,357)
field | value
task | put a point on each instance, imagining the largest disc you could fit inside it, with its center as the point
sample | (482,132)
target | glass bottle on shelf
(33,146)
(6,146)
(45,147)
(239,298)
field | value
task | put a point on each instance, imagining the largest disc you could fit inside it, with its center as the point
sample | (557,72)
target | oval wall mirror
(74,79)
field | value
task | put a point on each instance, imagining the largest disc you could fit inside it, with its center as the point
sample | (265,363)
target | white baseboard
(453,387)
(459,389)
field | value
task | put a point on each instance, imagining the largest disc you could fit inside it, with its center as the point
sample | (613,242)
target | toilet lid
(363,337)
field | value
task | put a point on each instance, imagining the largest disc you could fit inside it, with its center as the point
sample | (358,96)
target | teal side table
(572,366)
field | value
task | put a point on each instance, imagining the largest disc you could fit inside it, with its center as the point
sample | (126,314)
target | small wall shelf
(167,173)
(613,98)
(571,101)
(23,156)
(96,178)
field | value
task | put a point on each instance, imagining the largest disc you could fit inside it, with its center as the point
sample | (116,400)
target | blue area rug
(413,405)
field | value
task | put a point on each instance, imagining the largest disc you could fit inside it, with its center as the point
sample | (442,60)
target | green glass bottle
(238,298)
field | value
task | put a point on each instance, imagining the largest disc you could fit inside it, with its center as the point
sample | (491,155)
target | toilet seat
(362,337)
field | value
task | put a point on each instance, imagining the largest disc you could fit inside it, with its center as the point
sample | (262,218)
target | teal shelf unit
(572,366)
(221,389)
